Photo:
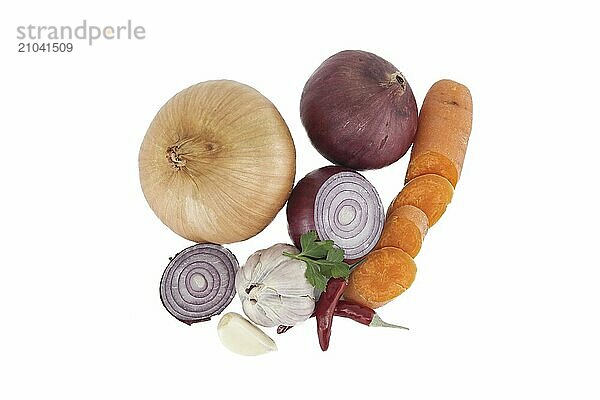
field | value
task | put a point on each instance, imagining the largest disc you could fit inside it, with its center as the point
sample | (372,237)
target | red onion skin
(301,204)
(356,113)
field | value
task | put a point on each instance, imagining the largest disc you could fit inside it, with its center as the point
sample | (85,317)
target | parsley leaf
(335,254)
(308,239)
(340,270)
(318,249)
(324,260)
(314,275)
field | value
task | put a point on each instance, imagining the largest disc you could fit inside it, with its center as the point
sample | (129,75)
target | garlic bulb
(273,288)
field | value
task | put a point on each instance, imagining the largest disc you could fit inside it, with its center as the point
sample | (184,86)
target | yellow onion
(217,162)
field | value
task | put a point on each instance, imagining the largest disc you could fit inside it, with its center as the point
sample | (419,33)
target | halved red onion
(199,282)
(339,204)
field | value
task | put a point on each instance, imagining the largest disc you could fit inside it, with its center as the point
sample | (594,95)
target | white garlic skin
(273,288)
(242,337)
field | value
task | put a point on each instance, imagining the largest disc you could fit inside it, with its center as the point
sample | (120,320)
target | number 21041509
(45,47)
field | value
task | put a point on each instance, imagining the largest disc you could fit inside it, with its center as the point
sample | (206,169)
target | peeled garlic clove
(243,337)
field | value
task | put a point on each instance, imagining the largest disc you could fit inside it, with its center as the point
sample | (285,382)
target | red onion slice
(199,282)
(339,204)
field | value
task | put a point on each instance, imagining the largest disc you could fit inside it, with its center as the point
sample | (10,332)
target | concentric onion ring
(348,210)
(339,204)
(199,282)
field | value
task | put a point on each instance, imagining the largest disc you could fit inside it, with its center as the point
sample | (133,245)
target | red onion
(199,282)
(359,110)
(339,204)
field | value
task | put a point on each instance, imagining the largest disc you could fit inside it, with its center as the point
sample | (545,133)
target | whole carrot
(443,132)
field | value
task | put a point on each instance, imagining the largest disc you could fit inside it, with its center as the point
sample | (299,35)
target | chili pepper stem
(378,322)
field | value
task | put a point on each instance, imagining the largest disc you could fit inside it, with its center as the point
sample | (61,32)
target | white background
(505,304)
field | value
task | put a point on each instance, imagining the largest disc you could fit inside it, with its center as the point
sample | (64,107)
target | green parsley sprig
(324,260)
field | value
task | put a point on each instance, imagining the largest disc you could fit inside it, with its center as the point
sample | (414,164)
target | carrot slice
(384,275)
(443,132)
(404,228)
(430,193)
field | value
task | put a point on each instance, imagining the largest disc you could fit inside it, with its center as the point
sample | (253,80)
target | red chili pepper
(325,308)
(356,312)
(362,314)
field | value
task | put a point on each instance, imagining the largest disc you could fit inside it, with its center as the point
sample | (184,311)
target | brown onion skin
(358,112)
(301,204)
